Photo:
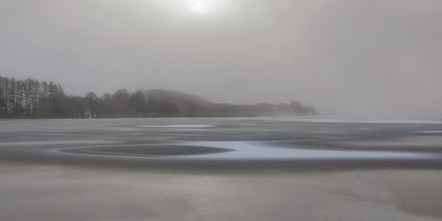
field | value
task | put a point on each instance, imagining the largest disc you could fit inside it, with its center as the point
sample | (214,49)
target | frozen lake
(170,143)
(220,169)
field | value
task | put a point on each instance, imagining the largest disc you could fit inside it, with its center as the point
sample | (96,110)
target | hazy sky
(362,58)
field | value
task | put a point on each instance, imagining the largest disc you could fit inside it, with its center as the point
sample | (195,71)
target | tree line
(30,98)
(34,99)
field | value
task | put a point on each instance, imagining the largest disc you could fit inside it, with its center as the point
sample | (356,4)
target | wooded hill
(34,99)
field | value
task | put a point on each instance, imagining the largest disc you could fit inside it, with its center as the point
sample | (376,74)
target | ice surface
(55,142)
(254,150)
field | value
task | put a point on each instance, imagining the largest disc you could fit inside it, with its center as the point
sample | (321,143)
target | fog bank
(360,58)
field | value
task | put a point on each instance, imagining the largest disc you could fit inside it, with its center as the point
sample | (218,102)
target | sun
(200,6)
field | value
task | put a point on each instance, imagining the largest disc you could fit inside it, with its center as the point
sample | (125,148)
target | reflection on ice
(179,126)
(431,132)
(362,121)
(251,150)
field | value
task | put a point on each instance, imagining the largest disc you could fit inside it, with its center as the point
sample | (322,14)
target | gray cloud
(354,58)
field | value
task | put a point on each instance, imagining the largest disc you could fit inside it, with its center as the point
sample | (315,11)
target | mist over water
(359,59)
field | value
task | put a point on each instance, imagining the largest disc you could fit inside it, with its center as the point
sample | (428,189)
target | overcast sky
(354,58)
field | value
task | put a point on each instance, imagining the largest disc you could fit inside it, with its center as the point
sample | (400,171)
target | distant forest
(34,99)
